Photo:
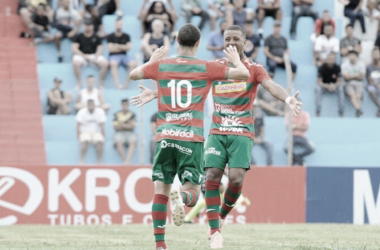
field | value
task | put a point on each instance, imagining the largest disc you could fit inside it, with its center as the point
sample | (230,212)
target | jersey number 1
(177,95)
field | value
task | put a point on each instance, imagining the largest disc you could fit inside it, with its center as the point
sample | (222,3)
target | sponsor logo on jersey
(212,151)
(165,144)
(178,133)
(179,117)
(181,61)
(231,87)
(227,109)
(231,124)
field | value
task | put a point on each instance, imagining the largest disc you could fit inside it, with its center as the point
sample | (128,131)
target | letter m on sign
(364,199)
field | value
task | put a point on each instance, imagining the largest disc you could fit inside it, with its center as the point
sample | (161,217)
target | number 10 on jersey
(176,93)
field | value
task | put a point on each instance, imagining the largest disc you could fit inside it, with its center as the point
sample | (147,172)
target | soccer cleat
(216,241)
(221,223)
(178,210)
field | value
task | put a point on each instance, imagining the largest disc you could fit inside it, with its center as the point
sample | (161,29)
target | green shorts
(178,157)
(234,150)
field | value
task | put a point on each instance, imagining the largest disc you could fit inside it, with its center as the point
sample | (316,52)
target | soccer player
(183,83)
(232,131)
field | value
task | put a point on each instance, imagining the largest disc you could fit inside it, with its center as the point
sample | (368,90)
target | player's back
(183,84)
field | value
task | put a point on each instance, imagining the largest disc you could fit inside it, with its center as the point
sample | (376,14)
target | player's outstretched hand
(159,53)
(294,104)
(145,96)
(232,55)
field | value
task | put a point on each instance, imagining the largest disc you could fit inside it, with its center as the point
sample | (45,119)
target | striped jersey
(233,102)
(183,84)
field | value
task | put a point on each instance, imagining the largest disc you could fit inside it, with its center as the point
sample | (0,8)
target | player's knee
(214,174)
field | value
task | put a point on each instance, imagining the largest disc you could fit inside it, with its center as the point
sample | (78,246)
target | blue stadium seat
(47,52)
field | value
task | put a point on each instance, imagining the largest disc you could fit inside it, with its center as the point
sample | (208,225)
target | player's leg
(190,173)
(164,171)
(239,157)
(215,162)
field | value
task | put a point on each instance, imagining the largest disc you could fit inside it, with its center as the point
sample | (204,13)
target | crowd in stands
(340,65)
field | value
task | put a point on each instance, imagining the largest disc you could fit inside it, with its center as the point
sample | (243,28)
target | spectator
(91,93)
(268,8)
(329,81)
(275,48)
(259,136)
(41,26)
(325,44)
(58,101)
(353,72)
(153,125)
(349,42)
(301,145)
(154,40)
(252,44)
(237,15)
(269,104)
(93,12)
(119,44)
(28,9)
(145,7)
(88,49)
(192,8)
(216,41)
(302,8)
(75,4)
(321,22)
(108,7)
(124,123)
(372,13)
(373,78)
(158,12)
(216,9)
(90,129)
(353,10)
(67,22)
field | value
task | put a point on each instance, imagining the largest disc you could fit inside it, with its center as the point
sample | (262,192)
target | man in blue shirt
(216,41)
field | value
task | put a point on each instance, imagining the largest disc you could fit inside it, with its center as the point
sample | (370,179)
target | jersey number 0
(176,93)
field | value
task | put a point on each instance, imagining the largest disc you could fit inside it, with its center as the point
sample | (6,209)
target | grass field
(191,237)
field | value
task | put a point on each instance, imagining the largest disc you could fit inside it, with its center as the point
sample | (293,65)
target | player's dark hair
(189,35)
(238,28)
(125,100)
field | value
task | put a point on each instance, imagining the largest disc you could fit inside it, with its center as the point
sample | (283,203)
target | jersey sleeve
(150,71)
(217,70)
(261,74)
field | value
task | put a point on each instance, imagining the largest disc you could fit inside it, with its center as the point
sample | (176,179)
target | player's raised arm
(138,74)
(240,72)
(279,92)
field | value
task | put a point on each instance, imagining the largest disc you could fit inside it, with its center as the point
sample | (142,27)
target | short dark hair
(238,28)
(189,35)
(349,25)
(90,76)
(125,100)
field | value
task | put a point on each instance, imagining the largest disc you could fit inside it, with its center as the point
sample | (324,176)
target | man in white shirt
(90,129)
(353,72)
(325,45)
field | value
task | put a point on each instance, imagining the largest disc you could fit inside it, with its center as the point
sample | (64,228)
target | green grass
(189,237)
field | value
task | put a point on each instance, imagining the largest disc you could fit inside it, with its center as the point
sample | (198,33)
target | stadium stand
(21,131)
(20,109)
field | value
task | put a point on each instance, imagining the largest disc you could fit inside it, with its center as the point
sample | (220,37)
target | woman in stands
(158,12)
(154,40)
